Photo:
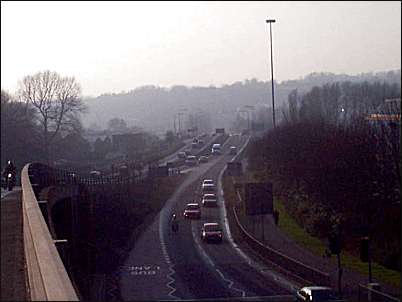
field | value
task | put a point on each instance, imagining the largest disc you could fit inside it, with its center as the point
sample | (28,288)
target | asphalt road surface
(169,266)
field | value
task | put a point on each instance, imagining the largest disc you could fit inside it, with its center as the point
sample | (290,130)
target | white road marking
(167,260)
(210,261)
(226,228)
(243,293)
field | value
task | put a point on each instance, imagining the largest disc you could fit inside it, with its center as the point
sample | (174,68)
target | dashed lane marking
(208,259)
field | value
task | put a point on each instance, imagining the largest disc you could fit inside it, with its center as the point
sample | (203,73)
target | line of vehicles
(210,231)
(192,160)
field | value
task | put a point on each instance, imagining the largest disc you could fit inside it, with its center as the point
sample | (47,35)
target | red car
(211,232)
(192,211)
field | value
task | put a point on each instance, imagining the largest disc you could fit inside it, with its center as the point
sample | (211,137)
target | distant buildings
(389,111)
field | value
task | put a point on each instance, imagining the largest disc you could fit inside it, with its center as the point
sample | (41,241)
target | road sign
(258,199)
(234,168)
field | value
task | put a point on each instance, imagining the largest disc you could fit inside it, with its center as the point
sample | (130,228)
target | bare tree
(57,103)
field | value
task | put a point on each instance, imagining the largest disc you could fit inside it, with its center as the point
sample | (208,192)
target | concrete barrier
(47,277)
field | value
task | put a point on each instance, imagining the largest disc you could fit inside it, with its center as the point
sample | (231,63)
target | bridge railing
(47,276)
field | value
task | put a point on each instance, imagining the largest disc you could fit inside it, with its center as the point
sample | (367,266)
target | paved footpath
(279,241)
(12,249)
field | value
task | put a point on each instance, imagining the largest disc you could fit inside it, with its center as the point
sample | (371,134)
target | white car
(95,173)
(216,149)
(208,182)
(317,293)
(209,200)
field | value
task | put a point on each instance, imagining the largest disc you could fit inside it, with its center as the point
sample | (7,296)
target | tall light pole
(270,21)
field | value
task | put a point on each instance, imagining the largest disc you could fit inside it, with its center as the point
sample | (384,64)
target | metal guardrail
(296,267)
(47,277)
(372,294)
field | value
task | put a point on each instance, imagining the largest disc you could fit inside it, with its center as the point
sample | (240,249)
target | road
(168,266)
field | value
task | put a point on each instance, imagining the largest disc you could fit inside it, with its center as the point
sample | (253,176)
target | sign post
(259,202)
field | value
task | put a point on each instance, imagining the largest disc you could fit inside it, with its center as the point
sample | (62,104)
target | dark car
(192,211)
(233,150)
(208,188)
(181,155)
(211,231)
(203,159)
(191,160)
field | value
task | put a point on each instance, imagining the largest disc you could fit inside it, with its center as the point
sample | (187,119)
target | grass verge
(289,226)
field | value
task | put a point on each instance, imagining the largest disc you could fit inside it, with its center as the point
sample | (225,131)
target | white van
(216,149)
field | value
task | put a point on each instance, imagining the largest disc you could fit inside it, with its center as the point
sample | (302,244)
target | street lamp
(270,21)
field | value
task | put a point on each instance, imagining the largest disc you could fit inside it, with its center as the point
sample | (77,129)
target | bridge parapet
(47,276)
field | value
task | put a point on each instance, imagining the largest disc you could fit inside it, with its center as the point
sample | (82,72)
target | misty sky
(116,46)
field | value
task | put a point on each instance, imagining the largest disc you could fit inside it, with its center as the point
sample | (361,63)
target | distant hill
(153,108)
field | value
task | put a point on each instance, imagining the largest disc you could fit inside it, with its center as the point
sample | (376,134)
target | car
(95,173)
(208,188)
(209,200)
(200,143)
(207,182)
(216,149)
(317,293)
(181,155)
(191,160)
(170,164)
(233,150)
(192,211)
(211,231)
(203,159)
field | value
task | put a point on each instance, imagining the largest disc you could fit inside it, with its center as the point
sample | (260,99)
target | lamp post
(270,21)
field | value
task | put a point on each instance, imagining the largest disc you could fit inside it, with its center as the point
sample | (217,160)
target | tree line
(42,122)
(332,165)
(217,106)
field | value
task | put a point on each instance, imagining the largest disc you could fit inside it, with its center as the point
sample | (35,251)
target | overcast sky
(116,46)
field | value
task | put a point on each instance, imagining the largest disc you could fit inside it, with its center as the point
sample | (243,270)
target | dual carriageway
(168,266)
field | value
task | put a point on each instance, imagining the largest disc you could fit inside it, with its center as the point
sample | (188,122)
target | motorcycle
(10,181)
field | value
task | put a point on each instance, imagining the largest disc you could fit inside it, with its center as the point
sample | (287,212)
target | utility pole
(270,21)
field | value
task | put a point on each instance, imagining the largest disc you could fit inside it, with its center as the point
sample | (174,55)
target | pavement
(273,237)
(13,278)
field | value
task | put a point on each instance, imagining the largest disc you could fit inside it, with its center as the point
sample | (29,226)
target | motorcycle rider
(174,223)
(9,169)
